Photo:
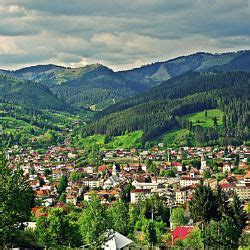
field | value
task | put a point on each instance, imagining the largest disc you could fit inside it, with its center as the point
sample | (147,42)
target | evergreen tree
(17,199)
(204,204)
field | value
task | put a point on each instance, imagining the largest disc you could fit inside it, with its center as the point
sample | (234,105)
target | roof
(176,163)
(117,241)
(104,168)
(247,174)
(227,185)
(181,232)
(140,191)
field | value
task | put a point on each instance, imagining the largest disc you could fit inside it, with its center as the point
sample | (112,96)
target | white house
(139,194)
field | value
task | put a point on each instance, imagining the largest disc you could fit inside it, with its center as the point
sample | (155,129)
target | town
(60,175)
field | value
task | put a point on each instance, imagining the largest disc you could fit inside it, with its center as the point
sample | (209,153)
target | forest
(164,106)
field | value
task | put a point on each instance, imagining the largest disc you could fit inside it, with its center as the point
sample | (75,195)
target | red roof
(140,191)
(176,164)
(181,233)
(104,168)
(227,185)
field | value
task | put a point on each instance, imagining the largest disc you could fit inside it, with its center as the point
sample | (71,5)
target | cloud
(120,34)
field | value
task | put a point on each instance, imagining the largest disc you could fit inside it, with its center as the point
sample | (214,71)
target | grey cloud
(118,33)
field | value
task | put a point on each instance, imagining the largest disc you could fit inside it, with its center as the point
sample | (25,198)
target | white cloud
(8,47)
(119,34)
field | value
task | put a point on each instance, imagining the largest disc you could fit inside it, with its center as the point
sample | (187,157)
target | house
(194,173)
(89,170)
(227,167)
(145,185)
(188,181)
(104,169)
(177,165)
(91,182)
(71,198)
(203,163)
(244,165)
(247,177)
(212,183)
(102,194)
(183,195)
(243,191)
(113,180)
(227,187)
(139,194)
(230,179)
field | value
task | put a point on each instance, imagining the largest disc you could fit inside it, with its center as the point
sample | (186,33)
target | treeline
(162,107)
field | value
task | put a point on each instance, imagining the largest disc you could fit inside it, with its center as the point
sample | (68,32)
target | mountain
(96,86)
(153,74)
(165,106)
(28,93)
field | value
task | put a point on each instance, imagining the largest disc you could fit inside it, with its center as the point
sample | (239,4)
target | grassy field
(132,139)
(175,137)
(12,124)
(129,140)
(199,119)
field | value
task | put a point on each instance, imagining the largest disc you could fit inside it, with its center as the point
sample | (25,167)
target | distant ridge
(96,86)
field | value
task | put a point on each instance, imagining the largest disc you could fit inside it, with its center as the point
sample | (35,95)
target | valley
(163,100)
(84,145)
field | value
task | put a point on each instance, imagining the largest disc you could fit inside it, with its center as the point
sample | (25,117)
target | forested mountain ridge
(28,93)
(162,108)
(155,73)
(96,86)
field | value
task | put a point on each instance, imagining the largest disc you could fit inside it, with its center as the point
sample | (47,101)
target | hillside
(165,106)
(96,86)
(153,74)
(17,91)
(93,86)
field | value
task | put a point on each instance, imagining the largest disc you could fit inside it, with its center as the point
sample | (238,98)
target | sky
(121,34)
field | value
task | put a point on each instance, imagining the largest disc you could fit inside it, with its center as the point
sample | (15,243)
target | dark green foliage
(204,204)
(222,222)
(177,217)
(98,85)
(62,185)
(94,223)
(154,207)
(223,233)
(153,74)
(16,201)
(239,215)
(149,229)
(161,108)
(59,228)
(32,94)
